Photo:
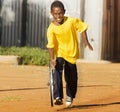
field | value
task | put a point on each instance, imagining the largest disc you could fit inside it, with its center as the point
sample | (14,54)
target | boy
(63,49)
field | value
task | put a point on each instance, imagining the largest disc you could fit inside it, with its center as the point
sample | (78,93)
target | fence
(23,23)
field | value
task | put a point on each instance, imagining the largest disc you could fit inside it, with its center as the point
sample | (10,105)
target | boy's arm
(52,58)
(86,42)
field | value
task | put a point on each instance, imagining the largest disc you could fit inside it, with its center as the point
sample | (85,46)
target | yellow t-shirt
(64,38)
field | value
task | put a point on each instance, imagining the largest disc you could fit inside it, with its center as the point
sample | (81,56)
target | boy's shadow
(88,106)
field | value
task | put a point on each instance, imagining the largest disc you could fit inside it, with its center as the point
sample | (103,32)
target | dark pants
(70,73)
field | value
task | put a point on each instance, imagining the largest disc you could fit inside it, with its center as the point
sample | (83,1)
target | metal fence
(23,23)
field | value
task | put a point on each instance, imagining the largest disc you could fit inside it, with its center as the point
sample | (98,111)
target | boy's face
(58,15)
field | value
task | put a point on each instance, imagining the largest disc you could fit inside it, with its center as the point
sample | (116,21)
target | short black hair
(57,3)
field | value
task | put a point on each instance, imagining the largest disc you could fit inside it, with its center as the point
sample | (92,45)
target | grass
(10,98)
(29,55)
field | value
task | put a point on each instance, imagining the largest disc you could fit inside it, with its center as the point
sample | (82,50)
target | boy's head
(57,11)
(59,4)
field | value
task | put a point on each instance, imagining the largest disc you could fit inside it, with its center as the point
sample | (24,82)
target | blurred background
(25,22)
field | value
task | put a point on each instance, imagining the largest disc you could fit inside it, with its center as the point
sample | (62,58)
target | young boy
(63,49)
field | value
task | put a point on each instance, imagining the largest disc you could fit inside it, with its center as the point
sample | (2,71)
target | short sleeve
(80,25)
(50,39)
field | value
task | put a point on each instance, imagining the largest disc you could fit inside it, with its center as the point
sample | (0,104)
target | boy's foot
(58,101)
(69,101)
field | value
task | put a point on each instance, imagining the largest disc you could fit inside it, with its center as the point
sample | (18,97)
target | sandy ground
(24,89)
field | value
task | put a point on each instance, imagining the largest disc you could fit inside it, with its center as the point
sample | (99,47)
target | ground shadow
(21,89)
(88,106)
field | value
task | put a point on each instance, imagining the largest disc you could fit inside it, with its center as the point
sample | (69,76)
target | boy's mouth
(58,19)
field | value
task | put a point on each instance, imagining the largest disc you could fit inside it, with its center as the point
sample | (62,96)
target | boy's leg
(58,85)
(71,79)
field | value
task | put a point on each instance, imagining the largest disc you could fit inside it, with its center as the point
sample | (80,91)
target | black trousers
(70,74)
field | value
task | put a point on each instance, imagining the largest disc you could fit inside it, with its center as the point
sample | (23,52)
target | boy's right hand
(53,63)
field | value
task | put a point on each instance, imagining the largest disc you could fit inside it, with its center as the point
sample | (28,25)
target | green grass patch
(29,55)
(10,98)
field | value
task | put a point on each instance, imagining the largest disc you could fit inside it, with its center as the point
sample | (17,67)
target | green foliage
(29,55)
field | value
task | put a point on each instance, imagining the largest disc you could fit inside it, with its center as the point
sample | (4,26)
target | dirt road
(24,89)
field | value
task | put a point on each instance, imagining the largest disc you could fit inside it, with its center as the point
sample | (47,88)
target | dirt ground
(24,89)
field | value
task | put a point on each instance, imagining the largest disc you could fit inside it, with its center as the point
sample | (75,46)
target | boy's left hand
(89,46)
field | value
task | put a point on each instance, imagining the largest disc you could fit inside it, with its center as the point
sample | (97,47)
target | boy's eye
(58,13)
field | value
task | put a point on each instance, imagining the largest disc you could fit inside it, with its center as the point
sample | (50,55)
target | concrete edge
(10,59)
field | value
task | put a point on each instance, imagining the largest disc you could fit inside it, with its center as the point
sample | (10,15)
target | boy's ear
(64,11)
(51,13)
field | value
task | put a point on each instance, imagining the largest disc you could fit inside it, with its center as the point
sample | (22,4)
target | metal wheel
(51,84)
